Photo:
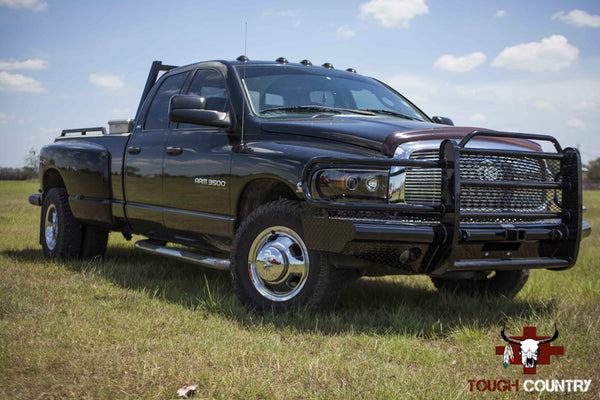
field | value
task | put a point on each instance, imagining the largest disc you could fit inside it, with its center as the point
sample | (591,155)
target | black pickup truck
(297,178)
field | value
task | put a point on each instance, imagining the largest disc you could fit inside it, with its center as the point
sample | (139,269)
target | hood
(377,133)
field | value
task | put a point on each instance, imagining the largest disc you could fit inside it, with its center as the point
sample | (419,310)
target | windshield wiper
(392,113)
(334,110)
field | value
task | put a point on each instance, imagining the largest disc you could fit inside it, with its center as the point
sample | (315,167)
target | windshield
(281,91)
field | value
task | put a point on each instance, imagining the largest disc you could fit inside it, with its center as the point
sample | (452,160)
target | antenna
(243,148)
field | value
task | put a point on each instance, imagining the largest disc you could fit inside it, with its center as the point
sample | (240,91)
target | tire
(502,283)
(62,236)
(61,233)
(271,267)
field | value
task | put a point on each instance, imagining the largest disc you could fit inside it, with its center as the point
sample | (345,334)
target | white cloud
(414,87)
(345,32)
(31,64)
(35,5)
(4,119)
(501,13)
(466,63)
(393,13)
(584,105)
(576,123)
(551,54)
(107,81)
(477,118)
(510,105)
(19,83)
(578,18)
(545,105)
(281,13)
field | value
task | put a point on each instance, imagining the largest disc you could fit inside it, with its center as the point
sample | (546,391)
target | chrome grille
(423,186)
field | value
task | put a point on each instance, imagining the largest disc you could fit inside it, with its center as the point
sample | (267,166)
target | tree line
(31,169)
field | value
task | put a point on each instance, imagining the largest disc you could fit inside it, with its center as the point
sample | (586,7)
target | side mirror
(192,110)
(442,120)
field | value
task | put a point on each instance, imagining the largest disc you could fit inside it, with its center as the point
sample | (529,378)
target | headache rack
(84,131)
(553,218)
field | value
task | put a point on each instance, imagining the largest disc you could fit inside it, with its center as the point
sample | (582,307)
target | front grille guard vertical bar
(570,170)
(450,197)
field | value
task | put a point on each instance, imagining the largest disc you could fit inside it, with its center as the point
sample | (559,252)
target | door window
(209,84)
(158,114)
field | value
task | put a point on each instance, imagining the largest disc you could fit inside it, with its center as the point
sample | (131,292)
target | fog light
(410,255)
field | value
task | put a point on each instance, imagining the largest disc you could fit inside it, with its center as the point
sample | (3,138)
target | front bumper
(442,239)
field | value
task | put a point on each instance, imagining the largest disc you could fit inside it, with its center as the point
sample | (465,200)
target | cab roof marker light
(282,60)
(351,70)
(242,58)
(328,65)
(306,63)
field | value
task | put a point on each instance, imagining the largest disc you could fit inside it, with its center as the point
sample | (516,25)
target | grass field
(136,326)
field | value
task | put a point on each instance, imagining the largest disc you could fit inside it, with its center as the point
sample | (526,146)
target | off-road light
(351,182)
(372,184)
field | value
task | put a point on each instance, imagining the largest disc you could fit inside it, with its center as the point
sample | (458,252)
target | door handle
(134,150)
(174,150)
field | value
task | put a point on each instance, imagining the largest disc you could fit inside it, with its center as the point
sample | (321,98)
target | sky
(530,66)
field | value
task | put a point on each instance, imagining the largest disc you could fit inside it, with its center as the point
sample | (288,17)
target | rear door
(144,161)
(197,168)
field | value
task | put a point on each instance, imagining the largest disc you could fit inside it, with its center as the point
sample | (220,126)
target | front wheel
(271,266)
(502,283)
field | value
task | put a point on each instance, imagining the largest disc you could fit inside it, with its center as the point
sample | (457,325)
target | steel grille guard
(450,233)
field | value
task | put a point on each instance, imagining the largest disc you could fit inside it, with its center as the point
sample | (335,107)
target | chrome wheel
(51,226)
(278,263)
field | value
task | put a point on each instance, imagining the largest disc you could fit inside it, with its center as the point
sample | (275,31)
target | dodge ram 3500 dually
(297,178)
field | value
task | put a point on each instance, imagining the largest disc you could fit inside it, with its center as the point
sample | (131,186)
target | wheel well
(259,192)
(51,180)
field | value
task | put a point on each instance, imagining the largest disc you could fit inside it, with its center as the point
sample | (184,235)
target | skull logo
(529,349)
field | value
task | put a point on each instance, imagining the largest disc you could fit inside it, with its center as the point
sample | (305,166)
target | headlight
(351,185)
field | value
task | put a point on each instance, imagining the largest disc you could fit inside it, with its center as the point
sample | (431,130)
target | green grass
(136,326)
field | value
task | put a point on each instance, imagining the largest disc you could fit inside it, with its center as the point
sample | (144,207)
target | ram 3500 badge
(297,178)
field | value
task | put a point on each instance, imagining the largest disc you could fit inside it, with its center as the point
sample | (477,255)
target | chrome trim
(397,185)
(51,227)
(404,183)
(586,229)
(278,263)
(183,255)
(35,199)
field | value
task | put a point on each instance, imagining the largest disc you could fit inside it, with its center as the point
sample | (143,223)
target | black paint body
(151,182)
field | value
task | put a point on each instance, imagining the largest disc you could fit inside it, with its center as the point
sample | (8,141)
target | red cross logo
(545,349)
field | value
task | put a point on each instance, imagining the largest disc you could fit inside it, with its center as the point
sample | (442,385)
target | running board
(188,256)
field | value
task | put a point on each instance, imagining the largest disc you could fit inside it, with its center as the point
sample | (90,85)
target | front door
(197,169)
